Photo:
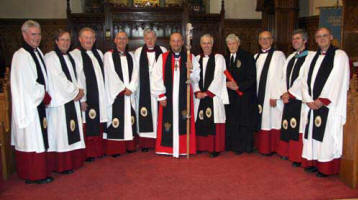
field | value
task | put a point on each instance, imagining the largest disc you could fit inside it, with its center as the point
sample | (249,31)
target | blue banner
(332,19)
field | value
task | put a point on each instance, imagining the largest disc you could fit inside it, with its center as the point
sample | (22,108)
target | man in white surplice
(89,62)
(66,142)
(325,87)
(29,87)
(121,74)
(169,87)
(146,104)
(269,64)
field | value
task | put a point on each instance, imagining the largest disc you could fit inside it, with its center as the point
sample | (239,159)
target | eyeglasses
(322,36)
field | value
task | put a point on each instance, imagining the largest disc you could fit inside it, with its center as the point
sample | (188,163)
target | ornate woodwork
(310,24)
(349,161)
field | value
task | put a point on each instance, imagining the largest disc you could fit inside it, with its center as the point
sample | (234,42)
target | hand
(80,94)
(285,97)
(318,103)
(84,106)
(232,85)
(163,103)
(127,92)
(273,102)
(312,106)
(201,95)
(189,65)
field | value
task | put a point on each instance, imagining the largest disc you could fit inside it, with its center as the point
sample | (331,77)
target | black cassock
(241,113)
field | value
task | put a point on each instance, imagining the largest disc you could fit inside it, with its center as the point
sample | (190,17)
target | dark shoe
(319,174)
(132,151)
(284,157)
(296,164)
(116,155)
(30,182)
(70,171)
(145,149)
(238,152)
(90,159)
(199,152)
(214,154)
(269,154)
(311,169)
(48,179)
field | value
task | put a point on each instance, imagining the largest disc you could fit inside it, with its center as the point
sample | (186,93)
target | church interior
(144,175)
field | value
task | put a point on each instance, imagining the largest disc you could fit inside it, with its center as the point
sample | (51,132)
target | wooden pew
(349,161)
(7,152)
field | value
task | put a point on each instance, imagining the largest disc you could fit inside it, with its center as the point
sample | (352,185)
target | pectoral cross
(176,65)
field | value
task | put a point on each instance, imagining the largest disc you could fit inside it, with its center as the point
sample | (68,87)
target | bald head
(176,42)
(265,40)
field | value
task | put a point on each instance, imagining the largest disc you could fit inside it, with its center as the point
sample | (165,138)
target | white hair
(29,24)
(232,37)
(207,36)
(149,30)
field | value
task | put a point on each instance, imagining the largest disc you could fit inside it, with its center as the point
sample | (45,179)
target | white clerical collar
(265,50)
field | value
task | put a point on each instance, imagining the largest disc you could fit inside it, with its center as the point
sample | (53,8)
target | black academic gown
(241,113)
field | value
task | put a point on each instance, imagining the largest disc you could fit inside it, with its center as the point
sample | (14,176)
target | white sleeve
(113,84)
(195,74)
(276,86)
(26,92)
(133,85)
(157,87)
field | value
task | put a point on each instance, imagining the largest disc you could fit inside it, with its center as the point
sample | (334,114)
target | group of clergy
(71,107)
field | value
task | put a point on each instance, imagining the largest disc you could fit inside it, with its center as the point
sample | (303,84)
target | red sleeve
(121,93)
(47,99)
(161,95)
(196,93)
(291,96)
(210,94)
(325,101)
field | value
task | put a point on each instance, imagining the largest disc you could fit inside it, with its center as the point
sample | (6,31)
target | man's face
(323,38)
(150,39)
(32,36)
(64,42)
(233,46)
(87,39)
(298,42)
(265,40)
(121,41)
(176,42)
(206,45)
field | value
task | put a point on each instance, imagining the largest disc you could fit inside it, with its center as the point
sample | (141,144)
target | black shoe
(311,169)
(319,174)
(145,149)
(269,154)
(30,182)
(132,151)
(70,171)
(116,155)
(90,159)
(284,157)
(45,180)
(238,152)
(296,164)
(214,154)
(199,152)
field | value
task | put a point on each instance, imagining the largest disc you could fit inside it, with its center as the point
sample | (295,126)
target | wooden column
(286,20)
(349,161)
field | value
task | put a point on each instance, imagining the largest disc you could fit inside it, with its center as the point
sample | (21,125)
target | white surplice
(154,103)
(62,91)
(114,85)
(76,54)
(27,94)
(217,87)
(271,116)
(335,90)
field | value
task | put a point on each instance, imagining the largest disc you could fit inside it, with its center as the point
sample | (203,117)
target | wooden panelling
(310,24)
(11,39)
(247,30)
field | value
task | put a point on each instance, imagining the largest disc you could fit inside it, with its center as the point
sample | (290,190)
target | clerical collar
(265,50)
(323,52)
(176,55)
(150,50)
(58,50)
(301,53)
(28,47)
